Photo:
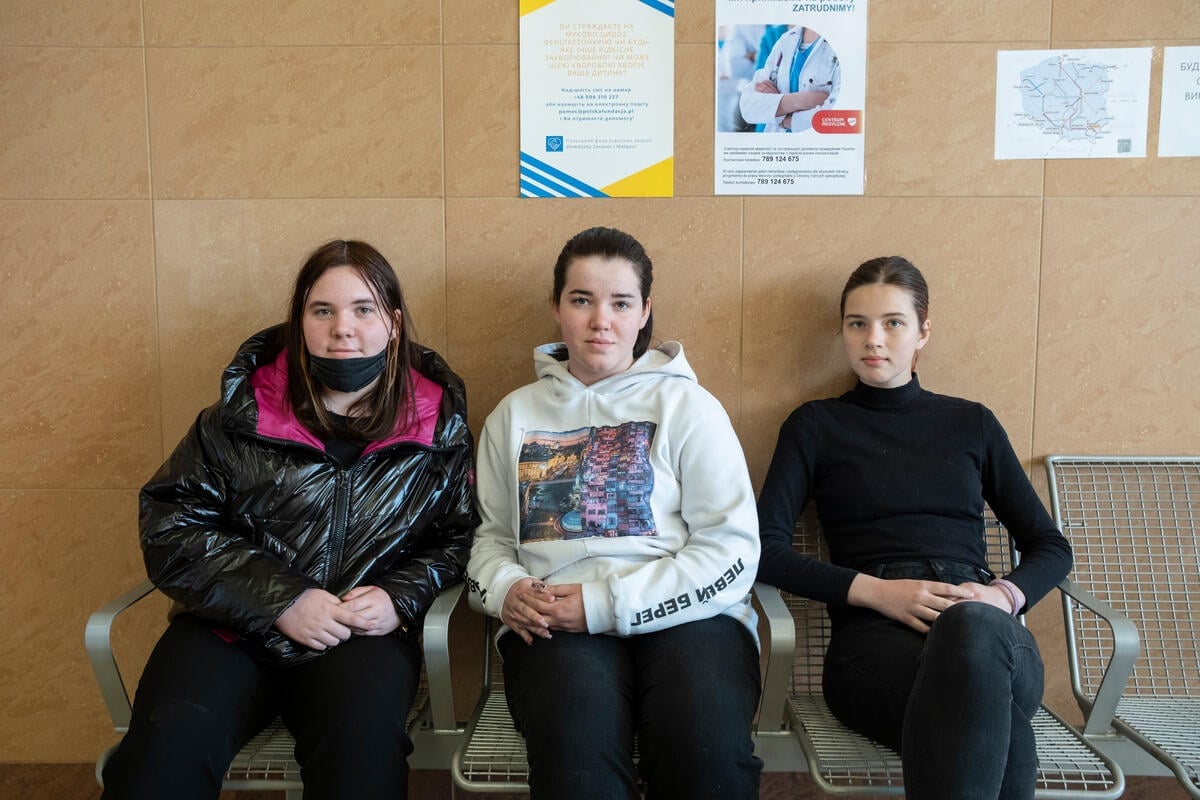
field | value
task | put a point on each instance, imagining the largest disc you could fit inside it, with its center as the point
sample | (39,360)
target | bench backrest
(812,623)
(1134,526)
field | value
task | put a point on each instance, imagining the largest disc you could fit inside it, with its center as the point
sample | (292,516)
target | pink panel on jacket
(277,419)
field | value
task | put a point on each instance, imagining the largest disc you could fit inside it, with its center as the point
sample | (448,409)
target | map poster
(1072,103)
(791,87)
(1179,121)
(597,98)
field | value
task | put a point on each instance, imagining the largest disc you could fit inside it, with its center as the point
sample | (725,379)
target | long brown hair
(376,414)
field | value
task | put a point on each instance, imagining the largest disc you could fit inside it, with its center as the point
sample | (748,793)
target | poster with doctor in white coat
(790,92)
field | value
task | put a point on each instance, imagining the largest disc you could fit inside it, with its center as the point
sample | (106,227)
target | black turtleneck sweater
(897,475)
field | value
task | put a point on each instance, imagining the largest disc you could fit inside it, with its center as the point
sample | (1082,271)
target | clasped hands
(918,603)
(320,620)
(533,608)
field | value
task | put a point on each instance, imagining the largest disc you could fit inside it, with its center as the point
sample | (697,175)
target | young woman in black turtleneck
(926,655)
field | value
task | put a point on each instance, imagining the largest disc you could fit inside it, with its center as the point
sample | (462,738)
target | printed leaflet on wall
(1179,122)
(1072,103)
(790,91)
(597,98)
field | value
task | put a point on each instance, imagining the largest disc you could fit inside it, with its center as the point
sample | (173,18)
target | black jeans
(956,702)
(201,698)
(689,692)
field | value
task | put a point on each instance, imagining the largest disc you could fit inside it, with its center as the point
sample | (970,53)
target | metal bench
(1134,523)
(840,761)
(266,762)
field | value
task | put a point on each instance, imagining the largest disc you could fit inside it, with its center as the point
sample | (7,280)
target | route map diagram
(1072,103)
(1066,96)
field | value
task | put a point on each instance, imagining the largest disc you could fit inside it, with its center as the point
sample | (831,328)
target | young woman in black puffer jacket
(303,527)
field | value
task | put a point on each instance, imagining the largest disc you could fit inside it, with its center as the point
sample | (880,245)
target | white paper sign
(1179,123)
(790,94)
(597,98)
(1072,103)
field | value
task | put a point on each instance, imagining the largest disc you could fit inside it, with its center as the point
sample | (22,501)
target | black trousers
(956,702)
(688,692)
(201,698)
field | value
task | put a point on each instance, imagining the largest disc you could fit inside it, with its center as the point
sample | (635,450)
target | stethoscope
(779,61)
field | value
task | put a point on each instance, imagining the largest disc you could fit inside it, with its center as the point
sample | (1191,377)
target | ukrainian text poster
(791,86)
(1179,120)
(597,98)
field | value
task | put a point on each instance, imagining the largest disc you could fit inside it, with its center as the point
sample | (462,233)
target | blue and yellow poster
(597,98)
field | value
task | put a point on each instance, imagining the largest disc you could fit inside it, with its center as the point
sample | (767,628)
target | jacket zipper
(341,497)
(341,517)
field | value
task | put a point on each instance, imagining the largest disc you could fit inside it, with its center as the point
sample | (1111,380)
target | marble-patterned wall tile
(980,257)
(296,121)
(931,111)
(500,257)
(696,22)
(1154,19)
(226,268)
(66,23)
(76,549)
(80,383)
(483,135)
(1124,177)
(291,22)
(1118,368)
(961,21)
(480,22)
(75,123)
(694,120)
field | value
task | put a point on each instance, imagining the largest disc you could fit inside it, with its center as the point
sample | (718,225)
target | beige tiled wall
(165,165)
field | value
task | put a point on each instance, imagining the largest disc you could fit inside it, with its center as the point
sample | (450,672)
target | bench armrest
(1098,711)
(437,659)
(97,638)
(780,655)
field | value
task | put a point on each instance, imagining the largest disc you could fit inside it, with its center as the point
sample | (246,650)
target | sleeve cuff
(598,607)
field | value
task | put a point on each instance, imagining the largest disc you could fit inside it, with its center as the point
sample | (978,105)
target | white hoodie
(634,487)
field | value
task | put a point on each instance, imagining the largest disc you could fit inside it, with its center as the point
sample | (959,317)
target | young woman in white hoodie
(618,547)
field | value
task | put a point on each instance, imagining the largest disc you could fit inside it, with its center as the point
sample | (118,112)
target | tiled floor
(76,782)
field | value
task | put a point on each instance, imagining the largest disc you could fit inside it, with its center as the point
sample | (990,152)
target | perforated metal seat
(491,757)
(1134,524)
(843,762)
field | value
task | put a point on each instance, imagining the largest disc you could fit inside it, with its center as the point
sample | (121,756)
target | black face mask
(348,374)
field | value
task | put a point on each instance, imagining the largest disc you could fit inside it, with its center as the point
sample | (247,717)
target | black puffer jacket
(249,511)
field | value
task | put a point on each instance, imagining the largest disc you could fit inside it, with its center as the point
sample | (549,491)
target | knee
(978,635)
(971,622)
